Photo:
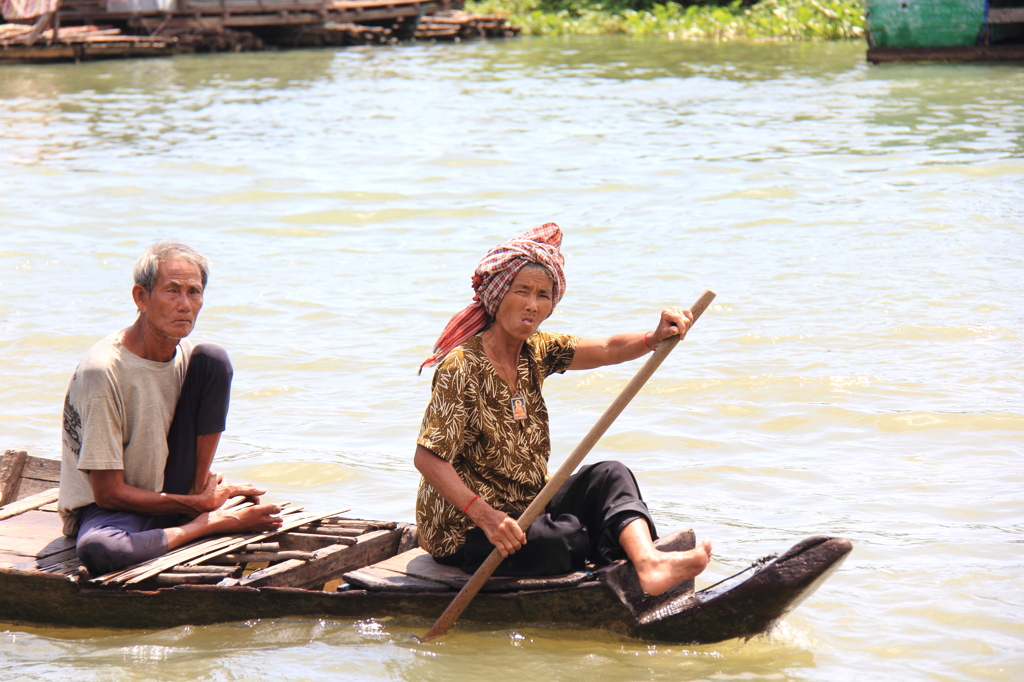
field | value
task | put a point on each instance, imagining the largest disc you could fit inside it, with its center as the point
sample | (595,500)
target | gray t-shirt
(117,415)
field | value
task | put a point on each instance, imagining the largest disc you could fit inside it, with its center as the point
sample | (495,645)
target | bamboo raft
(96,29)
(21,43)
(459,25)
(330,566)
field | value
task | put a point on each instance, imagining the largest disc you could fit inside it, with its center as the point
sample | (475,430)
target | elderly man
(142,419)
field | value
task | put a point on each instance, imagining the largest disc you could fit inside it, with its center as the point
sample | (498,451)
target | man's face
(173,306)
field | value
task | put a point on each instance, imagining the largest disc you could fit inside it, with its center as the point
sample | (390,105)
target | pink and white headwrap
(492,279)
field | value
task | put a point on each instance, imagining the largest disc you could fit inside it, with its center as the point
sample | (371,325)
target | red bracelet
(646,344)
(465,510)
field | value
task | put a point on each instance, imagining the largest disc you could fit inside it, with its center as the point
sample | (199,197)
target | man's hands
(501,529)
(216,493)
(111,492)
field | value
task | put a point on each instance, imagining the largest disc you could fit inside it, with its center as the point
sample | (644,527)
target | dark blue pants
(581,524)
(111,540)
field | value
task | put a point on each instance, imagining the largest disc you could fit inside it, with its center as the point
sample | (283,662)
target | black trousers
(111,540)
(581,524)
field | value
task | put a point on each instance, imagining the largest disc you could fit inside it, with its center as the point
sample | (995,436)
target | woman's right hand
(501,529)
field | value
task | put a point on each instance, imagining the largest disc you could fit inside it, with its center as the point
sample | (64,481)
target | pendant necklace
(517,402)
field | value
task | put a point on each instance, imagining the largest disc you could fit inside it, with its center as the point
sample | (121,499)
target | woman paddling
(483,446)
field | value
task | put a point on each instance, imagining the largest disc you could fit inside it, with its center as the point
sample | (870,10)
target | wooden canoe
(342,568)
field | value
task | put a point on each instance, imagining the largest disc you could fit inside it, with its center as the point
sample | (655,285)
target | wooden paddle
(462,599)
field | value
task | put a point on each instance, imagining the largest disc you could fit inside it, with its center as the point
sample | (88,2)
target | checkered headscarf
(492,279)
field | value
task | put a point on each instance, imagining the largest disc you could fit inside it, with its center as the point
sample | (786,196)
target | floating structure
(945,30)
(77,43)
(74,30)
(330,566)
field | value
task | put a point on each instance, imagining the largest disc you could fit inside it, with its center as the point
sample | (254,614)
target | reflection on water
(859,373)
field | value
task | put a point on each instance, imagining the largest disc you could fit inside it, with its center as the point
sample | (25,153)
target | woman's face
(526,304)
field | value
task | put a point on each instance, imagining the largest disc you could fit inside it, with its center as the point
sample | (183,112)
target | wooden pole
(465,596)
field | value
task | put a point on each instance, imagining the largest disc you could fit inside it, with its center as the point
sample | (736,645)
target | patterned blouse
(469,423)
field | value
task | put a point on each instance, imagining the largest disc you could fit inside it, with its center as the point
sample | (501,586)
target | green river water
(860,373)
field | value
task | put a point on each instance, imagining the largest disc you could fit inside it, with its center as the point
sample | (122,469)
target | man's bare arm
(111,492)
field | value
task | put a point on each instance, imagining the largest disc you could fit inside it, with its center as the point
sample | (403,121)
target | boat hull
(742,610)
(381,573)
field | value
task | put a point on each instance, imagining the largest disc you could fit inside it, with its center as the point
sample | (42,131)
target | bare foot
(259,518)
(660,571)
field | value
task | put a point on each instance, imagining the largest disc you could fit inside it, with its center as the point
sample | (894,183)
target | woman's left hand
(674,321)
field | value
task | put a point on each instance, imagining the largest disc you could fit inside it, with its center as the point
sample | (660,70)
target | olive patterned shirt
(469,423)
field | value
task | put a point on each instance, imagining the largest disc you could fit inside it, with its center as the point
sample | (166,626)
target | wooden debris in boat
(310,542)
(347,528)
(327,563)
(69,567)
(189,578)
(249,557)
(223,570)
(45,563)
(339,532)
(29,503)
(204,550)
(263,547)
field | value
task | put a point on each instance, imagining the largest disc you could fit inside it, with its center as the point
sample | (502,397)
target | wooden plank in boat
(32,502)
(416,563)
(33,534)
(67,567)
(310,542)
(327,563)
(380,579)
(42,469)
(10,560)
(34,548)
(49,560)
(22,476)
(34,486)
(11,466)
(197,552)
(32,522)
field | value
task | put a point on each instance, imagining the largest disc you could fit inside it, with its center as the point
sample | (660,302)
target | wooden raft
(76,43)
(460,25)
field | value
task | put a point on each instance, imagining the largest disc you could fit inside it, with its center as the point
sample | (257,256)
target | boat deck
(33,541)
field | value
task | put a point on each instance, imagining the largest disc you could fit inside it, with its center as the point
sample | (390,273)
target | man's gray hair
(148,266)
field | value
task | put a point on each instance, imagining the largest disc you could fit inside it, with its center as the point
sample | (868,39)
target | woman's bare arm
(501,529)
(611,350)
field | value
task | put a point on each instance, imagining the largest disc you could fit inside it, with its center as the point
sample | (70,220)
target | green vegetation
(772,19)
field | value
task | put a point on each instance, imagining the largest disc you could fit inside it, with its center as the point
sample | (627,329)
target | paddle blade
(464,597)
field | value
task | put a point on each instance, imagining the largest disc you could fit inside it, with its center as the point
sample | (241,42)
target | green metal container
(925,23)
